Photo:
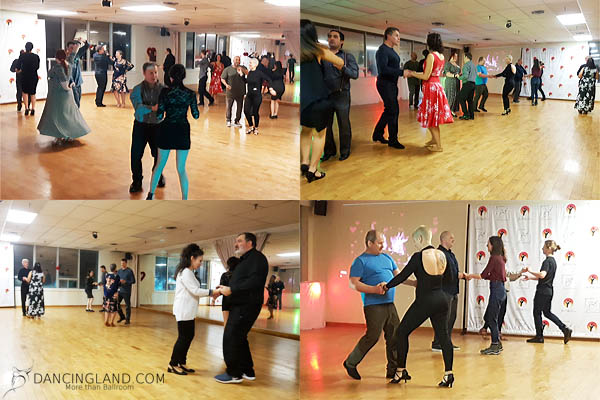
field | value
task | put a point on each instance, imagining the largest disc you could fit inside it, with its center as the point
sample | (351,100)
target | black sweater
(255,79)
(388,64)
(248,280)
(507,73)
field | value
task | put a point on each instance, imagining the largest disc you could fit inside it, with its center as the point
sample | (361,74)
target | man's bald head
(447,239)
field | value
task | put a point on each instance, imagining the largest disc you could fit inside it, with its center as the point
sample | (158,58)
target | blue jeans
(535,86)
(497,298)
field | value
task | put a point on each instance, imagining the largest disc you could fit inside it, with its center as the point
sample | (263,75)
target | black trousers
(202,93)
(453,305)
(517,92)
(434,306)
(236,350)
(101,82)
(279,298)
(480,90)
(19,91)
(413,92)
(292,74)
(24,294)
(252,107)
(341,108)
(541,304)
(239,105)
(143,134)
(501,315)
(391,110)
(185,335)
(465,97)
(508,87)
(127,298)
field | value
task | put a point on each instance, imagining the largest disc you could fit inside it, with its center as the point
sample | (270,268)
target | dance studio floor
(523,371)
(69,340)
(284,323)
(223,163)
(544,152)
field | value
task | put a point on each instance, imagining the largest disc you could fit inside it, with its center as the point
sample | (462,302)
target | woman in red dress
(434,109)
(217,68)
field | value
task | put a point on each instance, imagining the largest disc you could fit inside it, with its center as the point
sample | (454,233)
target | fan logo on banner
(480,301)
(502,232)
(522,302)
(524,212)
(523,256)
(570,210)
(570,259)
(568,304)
(592,282)
(547,233)
(594,230)
(592,326)
(482,212)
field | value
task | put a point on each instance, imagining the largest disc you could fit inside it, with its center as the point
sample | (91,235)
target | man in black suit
(16,68)
(23,273)
(338,83)
(246,294)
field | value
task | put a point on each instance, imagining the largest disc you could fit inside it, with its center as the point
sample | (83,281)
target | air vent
(537,12)
(81,12)
(487,38)
(170,227)
(114,244)
(437,23)
(170,3)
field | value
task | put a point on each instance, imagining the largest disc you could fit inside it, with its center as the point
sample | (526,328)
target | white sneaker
(248,378)
(237,125)
(229,124)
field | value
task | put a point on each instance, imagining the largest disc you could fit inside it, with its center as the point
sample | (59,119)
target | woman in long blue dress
(61,117)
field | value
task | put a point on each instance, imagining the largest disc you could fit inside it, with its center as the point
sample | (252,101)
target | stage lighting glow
(57,13)
(292,254)
(314,290)
(10,237)
(284,3)
(297,297)
(571,19)
(582,38)
(148,8)
(120,33)
(20,217)
(314,361)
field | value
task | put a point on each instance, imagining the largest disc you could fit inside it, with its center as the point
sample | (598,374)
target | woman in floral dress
(36,281)
(587,87)
(119,82)
(217,68)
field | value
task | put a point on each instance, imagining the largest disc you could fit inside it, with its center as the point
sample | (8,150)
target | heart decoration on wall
(544,49)
(569,95)
(551,76)
(562,49)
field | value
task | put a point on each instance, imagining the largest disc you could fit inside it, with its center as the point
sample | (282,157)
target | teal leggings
(163,157)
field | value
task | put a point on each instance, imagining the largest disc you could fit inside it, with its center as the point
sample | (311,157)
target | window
(46,256)
(222,44)
(404,51)
(373,43)
(291,279)
(171,267)
(202,274)
(100,36)
(354,43)
(122,40)
(21,251)
(68,260)
(160,274)
(76,29)
(53,35)
(211,42)
(88,259)
(189,50)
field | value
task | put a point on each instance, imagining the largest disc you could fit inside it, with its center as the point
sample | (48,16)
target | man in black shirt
(388,66)
(338,83)
(291,65)
(16,68)
(101,62)
(23,273)
(280,286)
(518,79)
(246,296)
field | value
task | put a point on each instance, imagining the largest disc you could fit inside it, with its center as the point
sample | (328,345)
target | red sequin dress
(434,109)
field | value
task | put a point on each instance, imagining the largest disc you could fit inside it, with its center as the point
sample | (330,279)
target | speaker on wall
(466,49)
(321,207)
(128,256)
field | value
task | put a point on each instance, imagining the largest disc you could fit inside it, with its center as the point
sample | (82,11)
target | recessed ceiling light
(56,13)
(148,8)
(571,19)
(292,254)
(170,227)
(537,12)
(10,237)
(120,33)
(20,217)
(249,35)
(582,38)
(284,3)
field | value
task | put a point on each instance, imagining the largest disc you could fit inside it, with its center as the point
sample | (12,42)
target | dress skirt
(61,117)
(434,110)
(174,136)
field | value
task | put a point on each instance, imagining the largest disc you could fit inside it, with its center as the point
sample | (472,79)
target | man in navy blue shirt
(518,80)
(74,56)
(126,279)
(449,285)
(101,61)
(368,271)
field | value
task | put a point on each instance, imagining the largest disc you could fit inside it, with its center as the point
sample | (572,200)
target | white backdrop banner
(560,79)
(575,227)
(16,29)
(7,282)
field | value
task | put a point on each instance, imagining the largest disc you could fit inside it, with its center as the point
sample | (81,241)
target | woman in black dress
(586,96)
(232,262)
(174,131)
(254,78)
(278,76)
(36,280)
(167,64)
(30,63)
(315,107)
(90,282)
(272,299)
(509,82)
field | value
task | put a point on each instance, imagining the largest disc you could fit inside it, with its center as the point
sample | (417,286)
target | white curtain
(524,227)
(226,247)
(7,272)
(560,79)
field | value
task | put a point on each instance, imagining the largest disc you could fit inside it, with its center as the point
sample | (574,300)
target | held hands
(154,108)
(380,289)
(525,269)
(224,290)
(228,87)
(407,73)
(215,294)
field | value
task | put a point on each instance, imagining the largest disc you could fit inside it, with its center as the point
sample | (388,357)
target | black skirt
(89,293)
(174,136)
(279,87)
(226,305)
(317,114)
(29,84)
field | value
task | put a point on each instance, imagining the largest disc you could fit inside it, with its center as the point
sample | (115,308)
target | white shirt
(187,295)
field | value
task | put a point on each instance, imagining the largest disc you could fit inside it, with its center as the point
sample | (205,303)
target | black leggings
(252,108)
(509,85)
(434,306)
(185,330)
(542,304)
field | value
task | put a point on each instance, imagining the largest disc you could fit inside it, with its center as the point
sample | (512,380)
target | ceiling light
(571,19)
(582,38)
(592,44)
(93,31)
(20,217)
(249,35)
(374,48)
(284,3)
(120,33)
(292,254)
(57,13)
(10,237)
(148,8)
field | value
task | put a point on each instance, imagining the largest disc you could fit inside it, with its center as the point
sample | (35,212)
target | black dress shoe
(311,176)
(536,339)
(303,169)
(477,111)
(149,197)
(352,372)
(26,111)
(396,145)
(32,112)
(161,182)
(135,187)
(120,320)
(100,105)
(211,103)
(380,139)
(464,118)
(19,107)
(327,157)
(483,109)
(344,156)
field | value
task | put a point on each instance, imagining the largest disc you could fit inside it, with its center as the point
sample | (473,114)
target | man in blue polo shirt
(368,271)
(481,86)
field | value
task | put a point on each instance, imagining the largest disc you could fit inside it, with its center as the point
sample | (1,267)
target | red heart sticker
(551,75)
(544,49)
(569,95)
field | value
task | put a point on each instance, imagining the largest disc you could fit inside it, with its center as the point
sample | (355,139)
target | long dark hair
(497,247)
(185,259)
(37,267)
(177,74)
(271,280)
(434,42)
(60,58)
(590,63)
(309,41)
(232,262)
(536,65)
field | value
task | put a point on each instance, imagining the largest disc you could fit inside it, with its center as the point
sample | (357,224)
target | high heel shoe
(310,176)
(186,369)
(304,169)
(505,112)
(172,369)
(150,196)
(401,377)
(447,381)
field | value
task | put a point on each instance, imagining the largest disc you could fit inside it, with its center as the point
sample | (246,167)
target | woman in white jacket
(185,306)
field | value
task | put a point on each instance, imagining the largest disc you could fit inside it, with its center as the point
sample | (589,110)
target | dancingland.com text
(95,381)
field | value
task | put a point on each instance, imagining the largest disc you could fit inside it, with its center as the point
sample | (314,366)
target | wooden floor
(223,163)
(544,152)
(285,322)
(67,339)
(523,371)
